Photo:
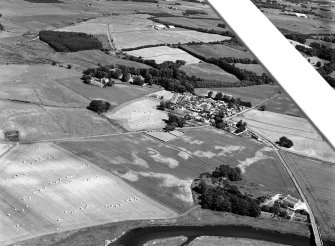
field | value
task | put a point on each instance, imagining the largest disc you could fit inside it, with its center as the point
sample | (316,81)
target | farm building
(159,26)
(300,15)
(291,202)
(171,26)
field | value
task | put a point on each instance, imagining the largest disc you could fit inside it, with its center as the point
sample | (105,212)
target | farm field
(305,138)
(317,180)
(38,86)
(91,58)
(42,123)
(125,40)
(164,53)
(46,189)
(140,114)
(193,22)
(117,94)
(165,171)
(218,51)
(255,68)
(314,60)
(300,25)
(283,104)
(254,94)
(208,71)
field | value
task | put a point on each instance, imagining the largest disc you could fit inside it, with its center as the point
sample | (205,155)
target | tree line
(70,41)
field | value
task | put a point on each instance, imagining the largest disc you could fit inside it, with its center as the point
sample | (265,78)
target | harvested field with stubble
(166,171)
(208,71)
(317,180)
(306,140)
(163,53)
(46,189)
(218,51)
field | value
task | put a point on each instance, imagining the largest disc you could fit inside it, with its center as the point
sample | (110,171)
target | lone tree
(126,77)
(99,106)
(285,142)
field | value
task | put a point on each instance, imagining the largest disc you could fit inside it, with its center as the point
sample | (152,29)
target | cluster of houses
(201,109)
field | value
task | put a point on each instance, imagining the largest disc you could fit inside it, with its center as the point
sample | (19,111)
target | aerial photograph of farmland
(149,122)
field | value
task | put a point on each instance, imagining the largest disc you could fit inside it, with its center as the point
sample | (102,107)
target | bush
(2,28)
(99,106)
(69,66)
(70,41)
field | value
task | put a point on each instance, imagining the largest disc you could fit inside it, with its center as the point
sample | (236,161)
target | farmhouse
(291,202)
(159,26)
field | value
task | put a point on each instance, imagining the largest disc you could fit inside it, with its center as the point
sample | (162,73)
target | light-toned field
(208,71)
(305,138)
(218,51)
(255,68)
(45,189)
(42,123)
(317,180)
(255,94)
(163,53)
(135,39)
(167,241)
(230,241)
(141,114)
(86,27)
(300,25)
(164,171)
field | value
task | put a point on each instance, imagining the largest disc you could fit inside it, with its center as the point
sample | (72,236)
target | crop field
(46,189)
(218,51)
(306,140)
(116,95)
(163,53)
(85,27)
(317,180)
(165,171)
(255,68)
(300,25)
(208,71)
(314,60)
(283,104)
(254,94)
(140,114)
(135,39)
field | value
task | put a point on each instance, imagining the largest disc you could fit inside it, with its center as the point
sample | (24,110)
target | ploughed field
(165,171)
(46,189)
(317,180)
(306,140)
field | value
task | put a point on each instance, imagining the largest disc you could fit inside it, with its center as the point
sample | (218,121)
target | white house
(301,15)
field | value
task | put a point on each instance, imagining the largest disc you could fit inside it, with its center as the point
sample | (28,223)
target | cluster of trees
(70,41)
(222,25)
(230,100)
(239,60)
(285,142)
(299,37)
(142,47)
(194,12)
(12,135)
(277,209)
(328,39)
(241,74)
(318,50)
(217,193)
(174,121)
(165,105)
(99,106)
(2,28)
(241,126)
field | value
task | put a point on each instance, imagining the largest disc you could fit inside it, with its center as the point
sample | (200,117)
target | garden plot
(305,138)
(163,53)
(45,189)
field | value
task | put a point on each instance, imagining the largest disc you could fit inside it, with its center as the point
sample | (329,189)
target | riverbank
(97,235)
